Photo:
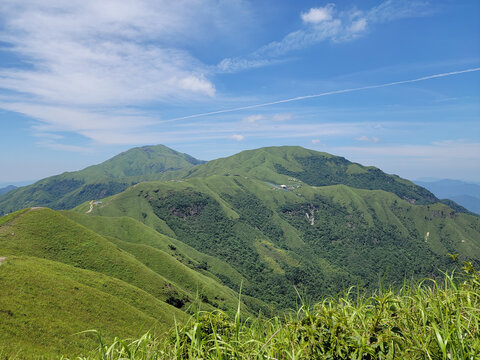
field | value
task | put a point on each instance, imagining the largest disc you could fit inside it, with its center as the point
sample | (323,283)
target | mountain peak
(114,175)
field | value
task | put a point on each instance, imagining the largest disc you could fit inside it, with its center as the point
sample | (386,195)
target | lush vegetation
(427,320)
(320,239)
(67,190)
(323,171)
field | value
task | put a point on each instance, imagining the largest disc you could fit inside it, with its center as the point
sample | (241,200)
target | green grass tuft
(426,320)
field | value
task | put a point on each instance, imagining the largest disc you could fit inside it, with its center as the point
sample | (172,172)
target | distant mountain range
(270,221)
(7,189)
(463,193)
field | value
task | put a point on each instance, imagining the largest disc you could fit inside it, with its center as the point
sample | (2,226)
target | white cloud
(82,60)
(317,15)
(255,119)
(57,118)
(238,137)
(358,26)
(391,10)
(63,147)
(327,24)
(315,141)
(372,139)
(230,65)
(443,149)
(86,52)
(252,118)
(197,84)
(274,130)
(282,117)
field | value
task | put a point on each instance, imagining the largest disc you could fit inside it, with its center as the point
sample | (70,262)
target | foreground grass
(428,320)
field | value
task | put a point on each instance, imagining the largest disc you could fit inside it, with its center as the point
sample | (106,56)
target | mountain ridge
(6,189)
(281,164)
(463,193)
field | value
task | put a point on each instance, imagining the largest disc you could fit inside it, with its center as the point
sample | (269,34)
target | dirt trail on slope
(91,207)
(2,259)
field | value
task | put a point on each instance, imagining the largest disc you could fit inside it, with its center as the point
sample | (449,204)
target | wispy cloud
(97,53)
(442,149)
(252,119)
(327,24)
(268,129)
(63,147)
(82,60)
(327,93)
(257,118)
(238,137)
(282,117)
(364,138)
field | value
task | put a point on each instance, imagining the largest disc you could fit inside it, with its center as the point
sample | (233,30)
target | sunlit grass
(426,320)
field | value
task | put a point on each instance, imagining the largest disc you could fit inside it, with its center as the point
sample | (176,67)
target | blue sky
(83,80)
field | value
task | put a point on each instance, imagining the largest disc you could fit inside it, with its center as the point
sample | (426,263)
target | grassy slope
(47,234)
(161,254)
(56,301)
(131,205)
(110,177)
(108,283)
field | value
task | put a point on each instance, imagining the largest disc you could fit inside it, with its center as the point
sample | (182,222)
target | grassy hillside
(55,301)
(46,234)
(320,239)
(180,264)
(69,189)
(51,267)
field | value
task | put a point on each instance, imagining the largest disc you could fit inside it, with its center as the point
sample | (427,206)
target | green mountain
(69,189)
(282,164)
(272,216)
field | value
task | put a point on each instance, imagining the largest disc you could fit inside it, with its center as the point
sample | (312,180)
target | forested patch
(322,171)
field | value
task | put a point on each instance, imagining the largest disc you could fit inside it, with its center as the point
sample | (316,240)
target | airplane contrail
(343,91)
